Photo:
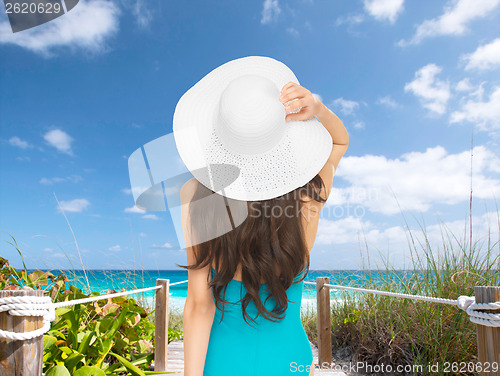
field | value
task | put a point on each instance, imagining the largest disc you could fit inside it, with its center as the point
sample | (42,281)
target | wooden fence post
(161,325)
(488,338)
(21,358)
(324,322)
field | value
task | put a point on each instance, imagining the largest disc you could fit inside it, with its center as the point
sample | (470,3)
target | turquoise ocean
(103,281)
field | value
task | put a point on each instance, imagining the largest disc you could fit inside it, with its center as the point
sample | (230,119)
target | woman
(251,215)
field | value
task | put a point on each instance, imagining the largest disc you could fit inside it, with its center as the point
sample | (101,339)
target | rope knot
(28,306)
(475,311)
(464,302)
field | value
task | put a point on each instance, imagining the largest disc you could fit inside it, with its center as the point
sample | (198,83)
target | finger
(295,117)
(294,93)
(294,88)
(297,90)
(285,94)
(298,116)
(288,85)
(299,103)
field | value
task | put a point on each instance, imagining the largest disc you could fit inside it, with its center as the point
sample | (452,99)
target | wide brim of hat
(301,154)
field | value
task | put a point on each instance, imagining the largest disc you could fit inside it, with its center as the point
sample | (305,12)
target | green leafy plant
(113,336)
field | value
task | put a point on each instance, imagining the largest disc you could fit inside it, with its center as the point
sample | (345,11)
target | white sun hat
(231,133)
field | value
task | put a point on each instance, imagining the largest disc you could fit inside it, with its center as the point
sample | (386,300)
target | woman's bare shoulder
(188,190)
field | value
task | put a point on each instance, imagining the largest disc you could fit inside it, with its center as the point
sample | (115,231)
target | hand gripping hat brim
(302,151)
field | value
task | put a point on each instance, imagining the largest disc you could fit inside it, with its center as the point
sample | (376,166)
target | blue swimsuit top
(260,347)
(236,290)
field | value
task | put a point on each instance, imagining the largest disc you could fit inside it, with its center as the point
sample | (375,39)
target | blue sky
(412,81)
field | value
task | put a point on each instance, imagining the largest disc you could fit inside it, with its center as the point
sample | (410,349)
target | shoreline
(176,304)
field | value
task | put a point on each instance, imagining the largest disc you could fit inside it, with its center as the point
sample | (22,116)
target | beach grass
(379,330)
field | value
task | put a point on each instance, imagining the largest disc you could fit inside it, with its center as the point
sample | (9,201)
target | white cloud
(347,107)
(136,190)
(60,140)
(163,246)
(387,101)
(433,93)
(359,125)
(485,114)
(270,11)
(134,209)
(339,231)
(395,241)
(86,26)
(74,206)
(115,248)
(485,57)
(142,234)
(292,31)
(72,178)
(416,179)
(151,216)
(355,235)
(142,13)
(16,141)
(353,19)
(385,10)
(454,21)
(464,85)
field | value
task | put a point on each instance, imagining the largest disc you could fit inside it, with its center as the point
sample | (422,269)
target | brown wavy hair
(267,238)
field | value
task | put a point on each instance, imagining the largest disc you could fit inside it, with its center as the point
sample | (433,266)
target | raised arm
(311,106)
(340,138)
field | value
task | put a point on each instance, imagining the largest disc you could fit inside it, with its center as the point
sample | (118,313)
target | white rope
(465,303)
(43,306)
(177,283)
(393,294)
(28,306)
(473,309)
(102,297)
